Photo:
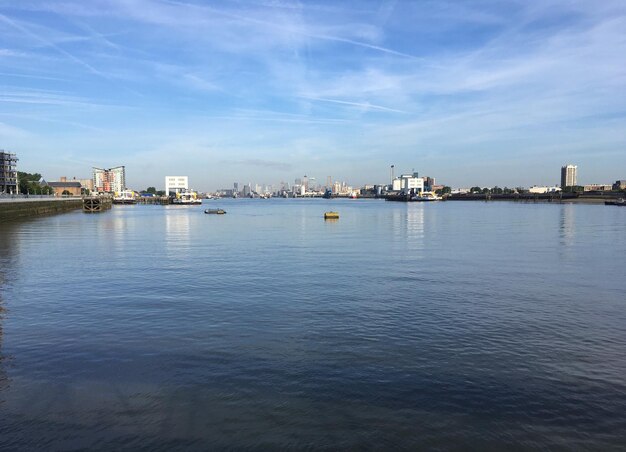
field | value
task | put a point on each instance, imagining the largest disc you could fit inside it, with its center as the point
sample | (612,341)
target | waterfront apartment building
(568,175)
(176,184)
(112,180)
(8,172)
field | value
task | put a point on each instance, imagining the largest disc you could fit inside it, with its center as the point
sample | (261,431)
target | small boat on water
(215,211)
(186,198)
(124,197)
(617,202)
(425,196)
(331,216)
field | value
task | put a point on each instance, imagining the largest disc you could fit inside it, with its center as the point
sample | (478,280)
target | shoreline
(14,209)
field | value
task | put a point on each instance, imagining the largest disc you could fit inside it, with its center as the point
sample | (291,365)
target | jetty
(95,204)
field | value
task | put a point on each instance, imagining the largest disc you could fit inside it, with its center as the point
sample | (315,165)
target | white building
(176,184)
(112,180)
(538,189)
(408,182)
(598,187)
(568,175)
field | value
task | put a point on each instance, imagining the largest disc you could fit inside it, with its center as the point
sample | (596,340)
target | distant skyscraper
(112,180)
(568,175)
(236,187)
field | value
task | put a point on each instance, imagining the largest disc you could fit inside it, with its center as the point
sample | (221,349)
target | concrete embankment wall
(21,209)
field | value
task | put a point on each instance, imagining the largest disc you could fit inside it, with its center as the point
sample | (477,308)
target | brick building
(72,186)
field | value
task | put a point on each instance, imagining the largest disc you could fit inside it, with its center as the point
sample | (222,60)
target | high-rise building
(568,175)
(112,180)
(8,172)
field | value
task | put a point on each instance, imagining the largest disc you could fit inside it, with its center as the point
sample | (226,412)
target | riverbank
(14,208)
(591,198)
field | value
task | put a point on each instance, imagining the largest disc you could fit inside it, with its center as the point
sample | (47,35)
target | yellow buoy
(331,216)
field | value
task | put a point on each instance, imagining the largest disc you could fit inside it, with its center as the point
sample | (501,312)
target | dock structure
(156,200)
(398,197)
(16,207)
(95,204)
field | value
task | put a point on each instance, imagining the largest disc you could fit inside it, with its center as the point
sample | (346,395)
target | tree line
(29,184)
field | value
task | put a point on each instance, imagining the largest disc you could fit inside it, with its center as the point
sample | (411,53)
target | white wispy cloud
(48,43)
(38,96)
(365,106)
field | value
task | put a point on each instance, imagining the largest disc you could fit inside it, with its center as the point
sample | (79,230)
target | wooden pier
(94,204)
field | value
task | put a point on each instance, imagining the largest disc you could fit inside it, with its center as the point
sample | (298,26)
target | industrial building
(408,183)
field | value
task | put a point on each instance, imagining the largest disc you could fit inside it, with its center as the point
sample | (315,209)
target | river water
(456,325)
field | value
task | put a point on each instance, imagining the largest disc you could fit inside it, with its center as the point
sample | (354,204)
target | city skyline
(481,93)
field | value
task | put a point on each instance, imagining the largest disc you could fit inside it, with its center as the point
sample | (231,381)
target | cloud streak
(366,106)
(50,44)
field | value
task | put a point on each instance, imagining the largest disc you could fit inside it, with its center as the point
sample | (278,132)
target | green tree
(486,190)
(497,190)
(66,193)
(476,190)
(28,182)
(151,190)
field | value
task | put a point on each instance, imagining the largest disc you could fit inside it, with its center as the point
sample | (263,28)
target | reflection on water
(7,262)
(567,224)
(415,226)
(409,228)
(178,230)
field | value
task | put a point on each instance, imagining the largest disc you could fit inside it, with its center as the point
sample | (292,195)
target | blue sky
(470,92)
